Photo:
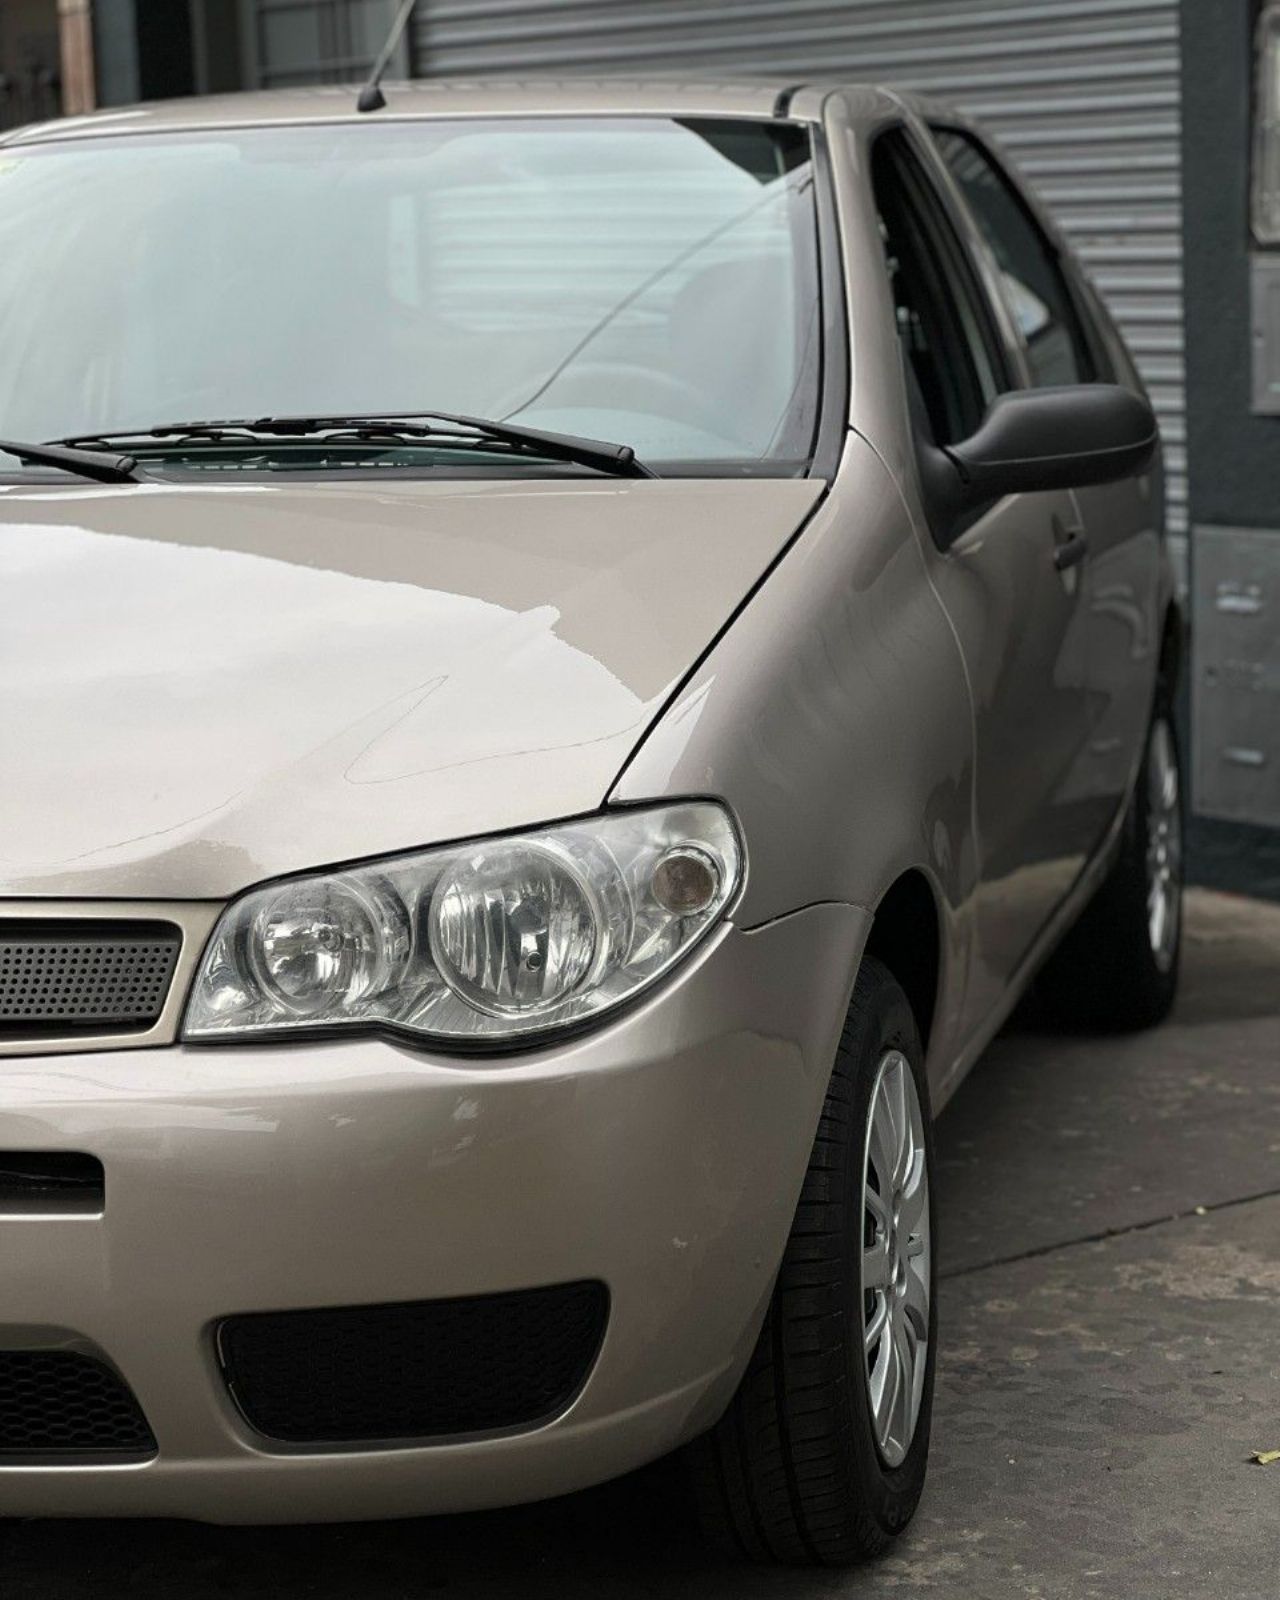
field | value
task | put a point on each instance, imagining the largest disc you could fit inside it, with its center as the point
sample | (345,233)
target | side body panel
(1058,714)
(835,718)
(1125,583)
(1020,629)
(1020,626)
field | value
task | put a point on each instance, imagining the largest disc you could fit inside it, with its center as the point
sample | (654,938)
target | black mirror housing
(1034,440)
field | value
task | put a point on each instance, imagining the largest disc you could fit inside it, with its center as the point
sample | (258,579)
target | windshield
(642,280)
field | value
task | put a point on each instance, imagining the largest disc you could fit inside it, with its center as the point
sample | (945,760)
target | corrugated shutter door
(289,42)
(1084,94)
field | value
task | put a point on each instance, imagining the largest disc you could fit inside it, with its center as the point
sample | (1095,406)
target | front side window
(952,364)
(1266,166)
(643,280)
(1038,293)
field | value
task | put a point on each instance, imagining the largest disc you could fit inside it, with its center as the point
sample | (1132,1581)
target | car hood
(208,686)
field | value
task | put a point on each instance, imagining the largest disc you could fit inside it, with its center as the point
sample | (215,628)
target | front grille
(58,1402)
(69,976)
(364,1375)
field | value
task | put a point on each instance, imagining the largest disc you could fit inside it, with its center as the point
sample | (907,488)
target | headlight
(499,939)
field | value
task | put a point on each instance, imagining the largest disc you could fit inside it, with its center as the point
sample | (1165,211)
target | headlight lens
(503,938)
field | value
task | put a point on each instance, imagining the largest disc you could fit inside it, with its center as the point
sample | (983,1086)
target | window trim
(827,445)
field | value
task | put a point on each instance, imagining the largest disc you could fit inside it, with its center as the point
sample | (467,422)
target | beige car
(569,654)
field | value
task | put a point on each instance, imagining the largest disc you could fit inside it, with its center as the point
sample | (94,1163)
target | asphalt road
(1110,1357)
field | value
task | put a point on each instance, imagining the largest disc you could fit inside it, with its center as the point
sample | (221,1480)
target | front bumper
(662,1154)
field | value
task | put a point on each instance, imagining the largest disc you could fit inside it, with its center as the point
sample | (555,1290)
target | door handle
(1071,552)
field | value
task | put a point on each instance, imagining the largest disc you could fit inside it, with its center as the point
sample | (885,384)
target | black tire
(792,1473)
(1106,975)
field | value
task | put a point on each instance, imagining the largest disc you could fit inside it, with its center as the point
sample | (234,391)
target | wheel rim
(1164,846)
(896,1258)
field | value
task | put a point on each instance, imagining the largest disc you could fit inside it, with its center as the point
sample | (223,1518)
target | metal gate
(289,42)
(1084,94)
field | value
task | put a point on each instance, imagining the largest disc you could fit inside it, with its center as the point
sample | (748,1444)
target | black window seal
(782,104)
(833,379)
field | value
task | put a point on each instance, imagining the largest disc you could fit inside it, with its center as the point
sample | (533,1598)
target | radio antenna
(371,96)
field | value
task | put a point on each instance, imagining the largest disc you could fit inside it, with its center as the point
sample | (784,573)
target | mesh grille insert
(58,1401)
(399,1373)
(57,976)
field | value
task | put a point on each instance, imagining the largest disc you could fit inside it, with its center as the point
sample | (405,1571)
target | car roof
(441,97)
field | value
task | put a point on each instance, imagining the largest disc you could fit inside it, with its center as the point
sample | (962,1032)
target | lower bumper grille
(58,1402)
(395,1374)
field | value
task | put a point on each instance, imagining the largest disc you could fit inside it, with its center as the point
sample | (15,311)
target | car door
(1016,614)
(1066,337)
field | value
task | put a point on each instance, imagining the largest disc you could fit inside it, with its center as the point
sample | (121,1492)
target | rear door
(1065,338)
(1016,615)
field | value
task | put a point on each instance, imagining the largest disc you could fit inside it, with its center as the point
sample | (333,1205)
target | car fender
(833,716)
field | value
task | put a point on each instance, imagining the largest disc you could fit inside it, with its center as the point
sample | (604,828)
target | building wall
(115,43)
(26,26)
(29,60)
(1237,455)
(1235,486)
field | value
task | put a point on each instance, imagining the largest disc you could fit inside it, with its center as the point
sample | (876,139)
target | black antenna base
(371,96)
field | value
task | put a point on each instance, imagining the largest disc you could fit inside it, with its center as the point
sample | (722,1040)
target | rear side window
(954,367)
(1038,292)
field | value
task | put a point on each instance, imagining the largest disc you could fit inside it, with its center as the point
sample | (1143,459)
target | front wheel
(821,1457)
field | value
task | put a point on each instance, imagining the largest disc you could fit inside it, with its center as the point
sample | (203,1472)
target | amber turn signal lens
(686,882)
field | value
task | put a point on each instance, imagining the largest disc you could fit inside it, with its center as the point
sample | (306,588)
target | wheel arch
(1173,648)
(906,935)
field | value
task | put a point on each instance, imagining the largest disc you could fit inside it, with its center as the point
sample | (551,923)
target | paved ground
(1111,1356)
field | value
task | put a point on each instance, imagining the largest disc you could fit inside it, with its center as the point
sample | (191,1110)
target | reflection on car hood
(208,686)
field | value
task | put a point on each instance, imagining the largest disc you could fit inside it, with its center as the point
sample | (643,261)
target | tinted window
(638,279)
(952,362)
(1038,292)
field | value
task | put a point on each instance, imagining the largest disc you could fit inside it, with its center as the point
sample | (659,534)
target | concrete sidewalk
(1110,1357)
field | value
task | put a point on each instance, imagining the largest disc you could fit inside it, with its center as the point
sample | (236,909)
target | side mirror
(1034,440)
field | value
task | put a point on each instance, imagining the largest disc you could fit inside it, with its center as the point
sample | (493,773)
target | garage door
(1084,94)
(288,42)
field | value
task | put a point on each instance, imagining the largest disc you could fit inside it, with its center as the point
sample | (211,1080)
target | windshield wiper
(396,427)
(101,466)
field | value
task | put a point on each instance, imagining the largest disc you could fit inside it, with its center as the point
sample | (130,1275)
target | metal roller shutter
(288,42)
(1084,94)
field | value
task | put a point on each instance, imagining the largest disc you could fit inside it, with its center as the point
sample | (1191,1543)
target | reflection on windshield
(629,278)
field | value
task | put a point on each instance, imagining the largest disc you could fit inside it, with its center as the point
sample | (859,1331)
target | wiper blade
(619,459)
(101,466)
(373,427)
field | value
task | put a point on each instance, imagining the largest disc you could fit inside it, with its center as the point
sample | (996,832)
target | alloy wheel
(1164,845)
(896,1257)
